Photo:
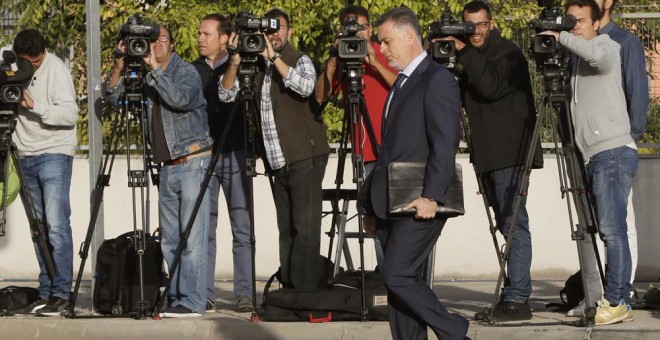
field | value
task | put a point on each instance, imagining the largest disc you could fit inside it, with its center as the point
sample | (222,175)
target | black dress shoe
(506,311)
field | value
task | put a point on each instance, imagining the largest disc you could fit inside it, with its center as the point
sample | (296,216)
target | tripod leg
(102,181)
(36,223)
(519,201)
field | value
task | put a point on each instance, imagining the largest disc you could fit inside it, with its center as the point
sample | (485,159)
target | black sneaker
(244,304)
(506,311)
(31,308)
(53,307)
(210,305)
(179,311)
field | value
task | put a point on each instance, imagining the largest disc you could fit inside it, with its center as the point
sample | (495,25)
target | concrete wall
(465,249)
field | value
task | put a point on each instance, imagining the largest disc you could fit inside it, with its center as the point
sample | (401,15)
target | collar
(413,64)
(217,63)
(607,28)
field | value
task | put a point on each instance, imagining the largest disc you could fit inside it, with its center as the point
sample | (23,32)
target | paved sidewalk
(464,297)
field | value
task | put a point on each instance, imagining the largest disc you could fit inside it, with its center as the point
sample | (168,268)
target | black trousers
(297,190)
(413,306)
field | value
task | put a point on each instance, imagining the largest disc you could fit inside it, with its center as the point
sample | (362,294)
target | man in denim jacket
(179,135)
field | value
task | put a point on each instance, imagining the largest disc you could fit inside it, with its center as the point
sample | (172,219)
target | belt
(186,158)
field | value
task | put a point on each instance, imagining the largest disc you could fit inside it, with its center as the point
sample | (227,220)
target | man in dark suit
(420,123)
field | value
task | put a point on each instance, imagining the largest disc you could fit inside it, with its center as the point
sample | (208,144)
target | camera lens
(445,48)
(12,94)
(252,42)
(352,48)
(547,42)
(138,47)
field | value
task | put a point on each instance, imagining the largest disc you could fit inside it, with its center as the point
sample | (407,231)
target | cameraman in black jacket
(499,103)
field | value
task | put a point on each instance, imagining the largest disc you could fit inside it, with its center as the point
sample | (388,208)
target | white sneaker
(578,311)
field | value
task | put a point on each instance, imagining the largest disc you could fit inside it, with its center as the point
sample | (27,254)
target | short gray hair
(402,17)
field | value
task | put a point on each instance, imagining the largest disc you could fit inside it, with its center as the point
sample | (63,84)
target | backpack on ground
(571,294)
(117,284)
(341,301)
(13,298)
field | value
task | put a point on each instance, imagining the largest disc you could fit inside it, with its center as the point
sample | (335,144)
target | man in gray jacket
(602,133)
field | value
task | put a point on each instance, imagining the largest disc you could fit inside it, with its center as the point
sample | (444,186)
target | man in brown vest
(295,147)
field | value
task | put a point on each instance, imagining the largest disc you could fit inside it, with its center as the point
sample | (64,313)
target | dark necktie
(395,90)
(397,86)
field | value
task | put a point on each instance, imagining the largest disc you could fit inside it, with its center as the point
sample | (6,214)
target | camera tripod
(356,118)
(8,153)
(573,182)
(245,102)
(132,104)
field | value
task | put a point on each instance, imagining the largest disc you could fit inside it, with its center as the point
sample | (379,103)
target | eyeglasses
(482,24)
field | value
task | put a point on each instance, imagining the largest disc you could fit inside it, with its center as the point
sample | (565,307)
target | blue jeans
(502,187)
(48,179)
(229,173)
(611,175)
(179,186)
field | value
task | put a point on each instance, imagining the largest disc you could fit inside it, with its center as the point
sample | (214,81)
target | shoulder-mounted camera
(138,36)
(551,59)
(351,46)
(550,19)
(250,29)
(12,82)
(444,52)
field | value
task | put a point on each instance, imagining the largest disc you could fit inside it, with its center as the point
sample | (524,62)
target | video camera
(250,29)
(11,82)
(551,19)
(138,36)
(350,46)
(11,90)
(444,52)
(551,59)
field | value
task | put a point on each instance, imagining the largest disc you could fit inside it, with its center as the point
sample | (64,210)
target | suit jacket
(422,125)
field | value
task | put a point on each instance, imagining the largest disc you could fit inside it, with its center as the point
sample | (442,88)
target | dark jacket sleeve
(442,118)
(494,77)
(636,84)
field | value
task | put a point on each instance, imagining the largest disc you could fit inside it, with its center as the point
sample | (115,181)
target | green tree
(315,25)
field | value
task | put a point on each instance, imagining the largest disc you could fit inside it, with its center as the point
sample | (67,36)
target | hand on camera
(119,53)
(27,102)
(232,48)
(269,51)
(457,42)
(552,33)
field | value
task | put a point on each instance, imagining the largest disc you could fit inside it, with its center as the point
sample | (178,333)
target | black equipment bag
(13,298)
(340,302)
(570,295)
(117,284)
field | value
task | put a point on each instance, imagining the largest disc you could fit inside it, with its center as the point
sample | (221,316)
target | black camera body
(551,19)
(550,57)
(138,36)
(444,52)
(11,82)
(250,32)
(350,46)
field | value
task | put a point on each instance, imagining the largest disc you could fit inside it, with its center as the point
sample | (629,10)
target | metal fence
(8,22)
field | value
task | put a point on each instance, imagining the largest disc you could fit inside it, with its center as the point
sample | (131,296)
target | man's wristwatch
(274,57)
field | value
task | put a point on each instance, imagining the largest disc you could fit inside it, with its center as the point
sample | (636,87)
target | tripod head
(133,74)
(246,71)
(353,76)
